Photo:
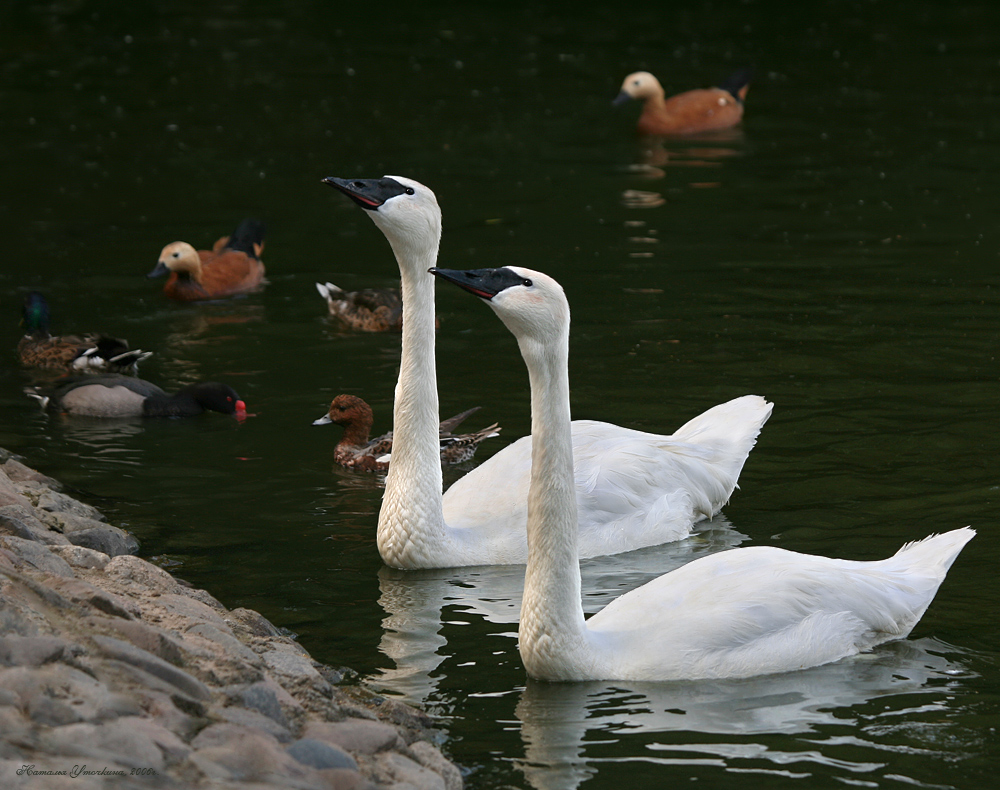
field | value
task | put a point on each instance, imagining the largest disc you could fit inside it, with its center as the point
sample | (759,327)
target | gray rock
(262,699)
(19,473)
(118,741)
(294,665)
(254,622)
(361,736)
(146,637)
(106,539)
(430,757)
(253,720)
(80,556)
(397,768)
(192,609)
(319,754)
(33,651)
(229,643)
(51,712)
(146,661)
(140,571)
(23,523)
(36,555)
(54,502)
(9,495)
(82,592)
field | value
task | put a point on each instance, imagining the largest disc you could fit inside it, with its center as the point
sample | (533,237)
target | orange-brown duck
(76,353)
(691,112)
(356,451)
(231,267)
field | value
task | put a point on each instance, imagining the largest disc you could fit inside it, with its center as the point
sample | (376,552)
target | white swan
(635,489)
(748,611)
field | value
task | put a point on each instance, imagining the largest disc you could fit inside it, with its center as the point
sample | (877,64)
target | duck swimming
(691,112)
(368,310)
(232,267)
(356,451)
(738,613)
(126,396)
(634,489)
(76,353)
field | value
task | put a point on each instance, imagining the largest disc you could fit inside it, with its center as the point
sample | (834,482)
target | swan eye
(409,191)
(526,283)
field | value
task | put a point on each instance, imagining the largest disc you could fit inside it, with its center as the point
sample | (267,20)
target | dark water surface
(839,255)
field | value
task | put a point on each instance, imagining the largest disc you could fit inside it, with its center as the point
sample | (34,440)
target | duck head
(180,257)
(405,210)
(640,85)
(347,409)
(213,396)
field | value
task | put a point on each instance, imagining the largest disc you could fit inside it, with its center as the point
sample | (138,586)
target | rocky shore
(114,674)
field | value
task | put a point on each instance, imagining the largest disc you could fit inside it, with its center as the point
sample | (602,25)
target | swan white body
(635,489)
(748,611)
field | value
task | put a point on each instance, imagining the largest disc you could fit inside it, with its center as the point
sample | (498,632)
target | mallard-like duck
(126,396)
(691,112)
(356,451)
(230,268)
(367,310)
(77,353)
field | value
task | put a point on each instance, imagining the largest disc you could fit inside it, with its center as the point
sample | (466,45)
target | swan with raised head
(744,612)
(635,489)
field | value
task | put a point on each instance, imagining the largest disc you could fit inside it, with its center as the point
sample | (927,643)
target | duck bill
(620,99)
(484,283)
(324,420)
(369,193)
(241,411)
(159,270)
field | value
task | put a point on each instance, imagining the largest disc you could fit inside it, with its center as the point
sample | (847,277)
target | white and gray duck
(124,396)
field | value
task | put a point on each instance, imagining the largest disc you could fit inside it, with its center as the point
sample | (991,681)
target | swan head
(532,305)
(640,85)
(405,210)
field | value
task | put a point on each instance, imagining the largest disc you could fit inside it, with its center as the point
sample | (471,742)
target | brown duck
(356,451)
(76,353)
(230,268)
(691,112)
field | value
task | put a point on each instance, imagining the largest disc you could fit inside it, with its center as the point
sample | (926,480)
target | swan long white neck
(411,522)
(551,632)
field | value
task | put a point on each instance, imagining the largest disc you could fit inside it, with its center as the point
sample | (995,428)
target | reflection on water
(418,603)
(563,725)
(101,441)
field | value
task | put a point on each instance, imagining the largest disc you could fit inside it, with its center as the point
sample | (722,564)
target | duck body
(126,396)
(691,112)
(356,451)
(367,310)
(481,520)
(72,353)
(739,613)
(230,268)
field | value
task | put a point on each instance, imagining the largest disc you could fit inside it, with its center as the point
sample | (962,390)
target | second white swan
(738,613)
(635,489)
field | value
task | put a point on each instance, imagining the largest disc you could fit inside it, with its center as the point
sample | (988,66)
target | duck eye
(636,82)
(176,255)
(409,191)
(526,283)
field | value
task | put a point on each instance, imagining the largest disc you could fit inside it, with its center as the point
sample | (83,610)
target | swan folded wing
(762,609)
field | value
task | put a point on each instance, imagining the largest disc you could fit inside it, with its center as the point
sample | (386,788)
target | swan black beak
(484,283)
(369,193)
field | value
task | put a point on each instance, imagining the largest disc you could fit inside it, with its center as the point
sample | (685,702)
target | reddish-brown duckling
(691,112)
(231,267)
(356,451)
